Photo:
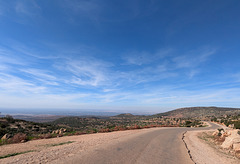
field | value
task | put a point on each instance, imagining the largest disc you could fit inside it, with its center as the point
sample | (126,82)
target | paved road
(160,146)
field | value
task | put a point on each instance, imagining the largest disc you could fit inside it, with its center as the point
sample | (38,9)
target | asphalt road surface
(160,146)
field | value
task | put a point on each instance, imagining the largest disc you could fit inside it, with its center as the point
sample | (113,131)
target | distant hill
(127,116)
(97,122)
(91,122)
(78,122)
(37,118)
(199,112)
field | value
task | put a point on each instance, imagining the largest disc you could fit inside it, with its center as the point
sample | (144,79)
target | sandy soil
(203,153)
(45,153)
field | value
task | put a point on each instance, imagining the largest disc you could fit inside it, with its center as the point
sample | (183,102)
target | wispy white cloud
(10,57)
(3,67)
(41,75)
(13,84)
(95,82)
(90,71)
(88,7)
(165,63)
(235,76)
(2,10)
(39,101)
(138,58)
(181,98)
(192,73)
(27,8)
(194,58)
(21,11)
(126,101)
(84,70)
(85,9)
(99,12)
(87,71)
(142,58)
(109,90)
(145,75)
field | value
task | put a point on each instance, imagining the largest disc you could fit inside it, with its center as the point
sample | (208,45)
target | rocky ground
(203,150)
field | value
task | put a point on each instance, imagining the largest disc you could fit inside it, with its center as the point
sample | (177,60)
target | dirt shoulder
(204,152)
(50,150)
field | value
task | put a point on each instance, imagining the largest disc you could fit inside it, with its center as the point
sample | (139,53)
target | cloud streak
(143,58)
(77,79)
(194,59)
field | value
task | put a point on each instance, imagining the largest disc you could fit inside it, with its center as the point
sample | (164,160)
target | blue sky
(146,56)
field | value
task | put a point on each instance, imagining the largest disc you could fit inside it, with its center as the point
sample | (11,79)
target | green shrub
(10,119)
(236,124)
(2,132)
(30,138)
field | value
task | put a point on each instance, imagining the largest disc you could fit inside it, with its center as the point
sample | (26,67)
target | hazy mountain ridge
(199,112)
(127,116)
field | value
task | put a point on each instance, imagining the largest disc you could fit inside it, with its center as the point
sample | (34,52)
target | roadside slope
(202,153)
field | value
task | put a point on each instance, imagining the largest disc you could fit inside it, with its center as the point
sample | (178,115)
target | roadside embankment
(204,152)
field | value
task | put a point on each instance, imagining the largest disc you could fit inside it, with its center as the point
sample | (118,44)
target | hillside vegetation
(200,112)
(122,122)
(15,130)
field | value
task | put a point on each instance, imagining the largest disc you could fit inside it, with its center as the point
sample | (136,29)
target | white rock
(234,138)
(215,133)
(236,147)
(6,136)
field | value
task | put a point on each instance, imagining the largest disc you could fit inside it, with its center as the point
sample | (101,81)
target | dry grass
(14,154)
(62,143)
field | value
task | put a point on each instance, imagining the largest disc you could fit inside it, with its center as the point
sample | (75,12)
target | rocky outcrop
(230,140)
(59,131)
(6,136)
(232,137)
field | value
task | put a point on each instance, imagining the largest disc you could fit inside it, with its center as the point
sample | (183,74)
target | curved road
(159,146)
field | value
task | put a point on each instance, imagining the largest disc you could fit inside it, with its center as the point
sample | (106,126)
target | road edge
(189,152)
